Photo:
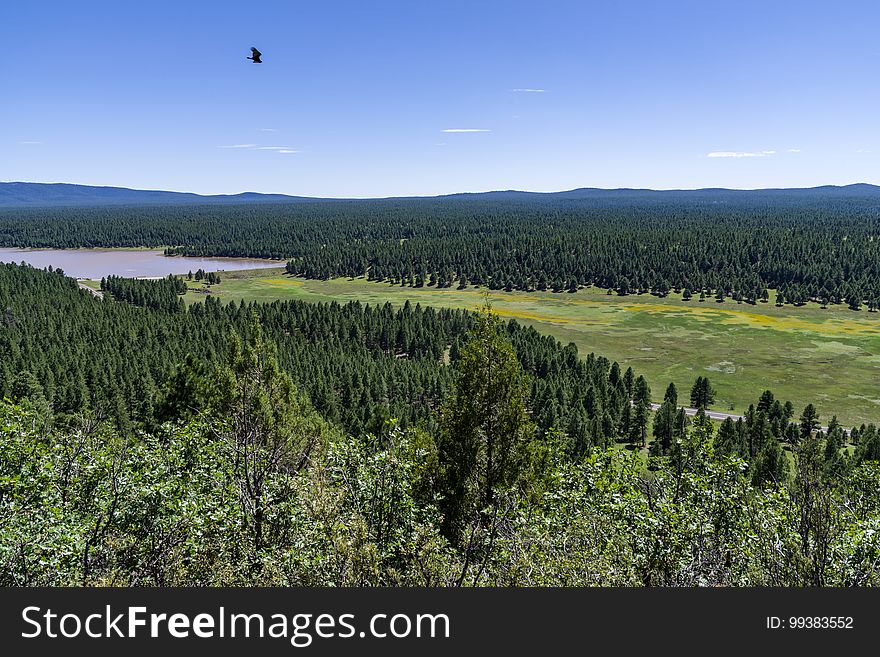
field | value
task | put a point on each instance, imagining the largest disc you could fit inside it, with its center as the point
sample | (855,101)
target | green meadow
(830,357)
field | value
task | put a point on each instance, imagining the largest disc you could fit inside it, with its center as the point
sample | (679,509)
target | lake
(97,263)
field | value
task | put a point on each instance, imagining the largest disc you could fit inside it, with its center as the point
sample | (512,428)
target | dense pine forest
(821,248)
(358,364)
(146,443)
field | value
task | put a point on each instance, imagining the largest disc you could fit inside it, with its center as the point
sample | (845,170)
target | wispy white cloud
(30,142)
(863,150)
(466,130)
(794,150)
(268,130)
(256,147)
(529,91)
(740,154)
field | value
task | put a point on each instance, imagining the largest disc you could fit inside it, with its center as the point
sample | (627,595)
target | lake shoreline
(97,263)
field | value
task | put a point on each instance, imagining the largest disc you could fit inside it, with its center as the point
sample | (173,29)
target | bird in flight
(255,56)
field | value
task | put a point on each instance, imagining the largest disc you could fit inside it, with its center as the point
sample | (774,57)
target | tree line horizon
(807,249)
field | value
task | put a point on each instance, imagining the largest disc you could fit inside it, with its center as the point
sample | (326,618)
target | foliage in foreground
(255,488)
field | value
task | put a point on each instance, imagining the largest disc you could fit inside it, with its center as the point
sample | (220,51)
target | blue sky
(357,99)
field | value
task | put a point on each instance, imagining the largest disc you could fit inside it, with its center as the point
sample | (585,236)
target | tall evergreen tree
(485,431)
(770,465)
(641,412)
(666,422)
(809,421)
(702,393)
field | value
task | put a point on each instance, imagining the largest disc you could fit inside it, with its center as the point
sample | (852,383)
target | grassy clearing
(830,357)
(95,285)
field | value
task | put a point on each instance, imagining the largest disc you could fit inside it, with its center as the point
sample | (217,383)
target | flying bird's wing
(256,52)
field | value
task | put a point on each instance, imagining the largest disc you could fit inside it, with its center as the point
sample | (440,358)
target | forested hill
(709,194)
(27,194)
(24,194)
(358,364)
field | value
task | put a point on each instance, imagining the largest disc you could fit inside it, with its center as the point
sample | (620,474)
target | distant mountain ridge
(856,189)
(28,194)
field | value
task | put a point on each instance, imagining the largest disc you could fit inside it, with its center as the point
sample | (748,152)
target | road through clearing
(720,416)
(97,293)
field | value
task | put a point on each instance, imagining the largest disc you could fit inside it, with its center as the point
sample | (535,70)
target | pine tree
(270,426)
(869,445)
(728,441)
(485,430)
(702,393)
(641,412)
(766,402)
(665,422)
(629,380)
(770,465)
(809,421)
(835,462)
(27,386)
(759,432)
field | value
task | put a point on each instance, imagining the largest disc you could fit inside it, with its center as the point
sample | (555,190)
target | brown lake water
(95,264)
